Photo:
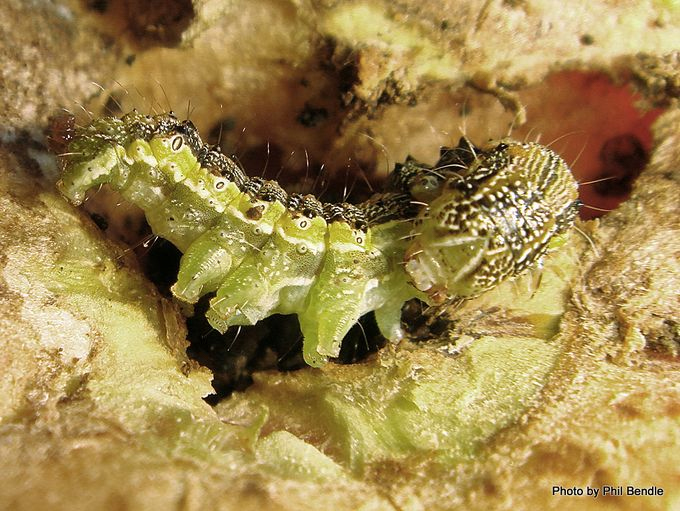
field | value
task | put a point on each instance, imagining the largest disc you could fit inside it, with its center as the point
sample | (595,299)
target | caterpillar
(448,231)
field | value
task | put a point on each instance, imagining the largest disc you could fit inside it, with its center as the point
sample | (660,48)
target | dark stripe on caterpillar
(449,231)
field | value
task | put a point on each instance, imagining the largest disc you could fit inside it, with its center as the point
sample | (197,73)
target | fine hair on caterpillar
(448,231)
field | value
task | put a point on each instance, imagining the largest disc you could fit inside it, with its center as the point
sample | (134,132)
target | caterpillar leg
(388,316)
(242,229)
(274,279)
(388,298)
(338,298)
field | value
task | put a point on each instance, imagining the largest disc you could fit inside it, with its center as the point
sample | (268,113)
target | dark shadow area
(148,22)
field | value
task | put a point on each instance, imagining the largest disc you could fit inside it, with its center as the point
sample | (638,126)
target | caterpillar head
(491,221)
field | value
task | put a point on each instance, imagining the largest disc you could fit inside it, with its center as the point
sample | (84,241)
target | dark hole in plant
(623,158)
(99,6)
(272,344)
(311,116)
(150,22)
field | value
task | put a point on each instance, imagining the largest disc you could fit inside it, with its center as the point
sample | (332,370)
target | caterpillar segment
(452,230)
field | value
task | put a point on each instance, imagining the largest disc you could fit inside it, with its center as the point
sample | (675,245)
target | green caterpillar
(452,230)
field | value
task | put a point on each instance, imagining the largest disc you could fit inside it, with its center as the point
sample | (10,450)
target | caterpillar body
(452,230)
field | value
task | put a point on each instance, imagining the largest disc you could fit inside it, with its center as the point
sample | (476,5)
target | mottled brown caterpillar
(454,230)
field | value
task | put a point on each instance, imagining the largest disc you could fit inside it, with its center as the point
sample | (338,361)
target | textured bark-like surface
(568,377)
